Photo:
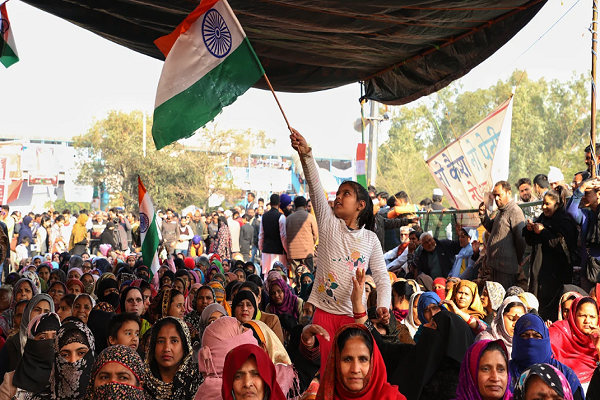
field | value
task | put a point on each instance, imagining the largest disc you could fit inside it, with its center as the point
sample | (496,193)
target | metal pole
(594,57)
(144,130)
(373,133)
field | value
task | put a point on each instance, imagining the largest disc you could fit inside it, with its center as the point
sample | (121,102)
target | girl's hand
(358,286)
(383,314)
(529,224)
(298,142)
(310,331)
(537,227)
(451,304)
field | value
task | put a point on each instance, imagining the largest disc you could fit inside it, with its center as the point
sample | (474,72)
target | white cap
(220,208)
(227,213)
(438,192)
(555,175)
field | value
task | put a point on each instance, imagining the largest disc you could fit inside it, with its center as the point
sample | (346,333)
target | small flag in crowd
(361,176)
(148,230)
(8,49)
(209,63)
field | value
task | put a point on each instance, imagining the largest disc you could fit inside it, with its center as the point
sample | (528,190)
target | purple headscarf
(468,388)
(290,301)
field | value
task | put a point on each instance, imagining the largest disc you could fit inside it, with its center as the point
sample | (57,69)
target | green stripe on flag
(182,115)
(150,244)
(7,55)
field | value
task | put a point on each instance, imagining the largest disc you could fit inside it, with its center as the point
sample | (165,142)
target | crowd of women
(214,328)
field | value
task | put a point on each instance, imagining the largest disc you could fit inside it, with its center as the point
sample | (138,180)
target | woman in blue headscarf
(426,311)
(531,345)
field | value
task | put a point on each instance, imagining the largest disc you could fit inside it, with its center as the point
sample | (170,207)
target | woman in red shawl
(248,372)
(355,368)
(576,340)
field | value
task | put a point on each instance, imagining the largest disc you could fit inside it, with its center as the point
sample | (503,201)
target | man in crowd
(506,245)
(198,226)
(383,197)
(435,257)
(234,229)
(246,237)
(255,223)
(589,159)
(540,185)
(272,237)
(525,189)
(170,232)
(302,235)
(578,178)
(436,199)
(251,203)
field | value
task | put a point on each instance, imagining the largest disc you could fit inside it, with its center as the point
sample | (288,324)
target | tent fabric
(400,49)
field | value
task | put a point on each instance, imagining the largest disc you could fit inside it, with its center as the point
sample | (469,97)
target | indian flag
(209,63)
(8,49)
(148,230)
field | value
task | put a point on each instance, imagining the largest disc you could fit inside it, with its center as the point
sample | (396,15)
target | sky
(67,77)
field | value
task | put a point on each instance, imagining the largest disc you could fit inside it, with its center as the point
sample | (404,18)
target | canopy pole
(594,58)
(278,103)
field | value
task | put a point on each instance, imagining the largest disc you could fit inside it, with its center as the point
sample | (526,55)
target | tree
(176,176)
(550,126)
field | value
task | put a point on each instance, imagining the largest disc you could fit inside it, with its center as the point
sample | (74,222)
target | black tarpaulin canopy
(401,50)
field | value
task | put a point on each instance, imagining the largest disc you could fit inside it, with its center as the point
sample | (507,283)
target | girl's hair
(366,216)
(69,299)
(403,289)
(559,195)
(352,333)
(372,299)
(509,306)
(495,346)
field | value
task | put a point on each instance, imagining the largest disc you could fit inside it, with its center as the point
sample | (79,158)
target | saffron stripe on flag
(183,114)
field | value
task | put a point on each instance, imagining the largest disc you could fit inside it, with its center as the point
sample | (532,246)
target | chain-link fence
(446,224)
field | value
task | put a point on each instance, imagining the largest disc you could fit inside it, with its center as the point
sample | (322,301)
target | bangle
(471,319)
(360,315)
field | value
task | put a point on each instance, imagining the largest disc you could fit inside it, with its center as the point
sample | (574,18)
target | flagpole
(278,103)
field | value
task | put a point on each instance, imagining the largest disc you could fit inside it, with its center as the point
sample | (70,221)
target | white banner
(467,168)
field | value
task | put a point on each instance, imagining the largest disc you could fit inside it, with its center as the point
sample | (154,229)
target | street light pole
(373,143)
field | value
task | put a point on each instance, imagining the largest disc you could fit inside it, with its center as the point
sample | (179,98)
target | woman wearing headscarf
(203,298)
(108,236)
(119,362)
(306,280)
(439,287)
(553,239)
(33,370)
(39,304)
(25,230)
(219,291)
(484,372)
(57,275)
(283,301)
(530,301)
(575,341)
(24,289)
(222,244)
(293,379)
(108,291)
(73,361)
(210,314)
(463,300)
(401,292)
(531,345)
(170,372)
(550,380)
(491,297)
(171,303)
(79,236)
(431,368)
(503,326)
(370,383)
(255,359)
(412,320)
(222,336)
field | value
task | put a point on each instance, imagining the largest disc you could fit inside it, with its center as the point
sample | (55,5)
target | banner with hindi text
(468,167)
